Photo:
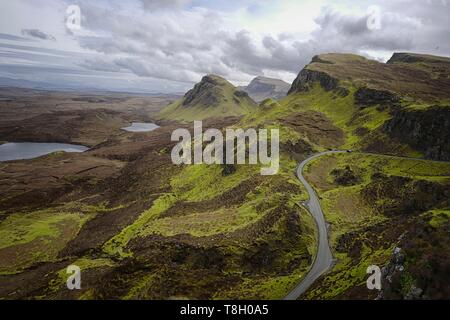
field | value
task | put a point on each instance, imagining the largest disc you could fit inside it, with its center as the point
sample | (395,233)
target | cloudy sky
(168,45)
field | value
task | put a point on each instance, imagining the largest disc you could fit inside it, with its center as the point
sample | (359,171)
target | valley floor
(140,227)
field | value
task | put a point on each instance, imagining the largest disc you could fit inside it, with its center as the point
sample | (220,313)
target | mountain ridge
(420,78)
(407,90)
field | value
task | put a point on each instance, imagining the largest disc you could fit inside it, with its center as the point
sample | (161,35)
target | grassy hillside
(381,192)
(154,230)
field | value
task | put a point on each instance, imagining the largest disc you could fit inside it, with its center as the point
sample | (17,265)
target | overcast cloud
(167,45)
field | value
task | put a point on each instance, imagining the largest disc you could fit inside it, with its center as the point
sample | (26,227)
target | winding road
(324,259)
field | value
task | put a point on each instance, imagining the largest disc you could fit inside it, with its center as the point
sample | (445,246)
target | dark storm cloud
(35,33)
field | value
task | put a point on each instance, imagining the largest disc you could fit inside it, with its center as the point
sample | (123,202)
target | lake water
(29,150)
(141,127)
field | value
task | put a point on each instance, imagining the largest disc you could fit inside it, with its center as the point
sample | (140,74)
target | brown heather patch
(316,127)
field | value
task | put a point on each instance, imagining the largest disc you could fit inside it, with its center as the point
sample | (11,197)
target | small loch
(141,127)
(29,150)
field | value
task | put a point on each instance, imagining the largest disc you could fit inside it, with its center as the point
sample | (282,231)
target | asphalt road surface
(324,259)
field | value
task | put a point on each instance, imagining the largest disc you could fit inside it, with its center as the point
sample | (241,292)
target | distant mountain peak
(261,88)
(208,91)
(213,96)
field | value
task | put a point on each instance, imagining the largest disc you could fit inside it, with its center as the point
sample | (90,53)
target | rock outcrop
(425,130)
(368,97)
(345,176)
(391,275)
(306,79)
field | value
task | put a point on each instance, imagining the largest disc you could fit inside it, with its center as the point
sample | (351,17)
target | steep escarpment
(323,70)
(311,74)
(365,96)
(212,97)
(425,130)
(307,78)
(400,107)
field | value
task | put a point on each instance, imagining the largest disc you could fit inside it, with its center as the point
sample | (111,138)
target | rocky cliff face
(417,76)
(306,79)
(262,88)
(425,130)
(206,88)
(320,70)
(406,80)
(368,97)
